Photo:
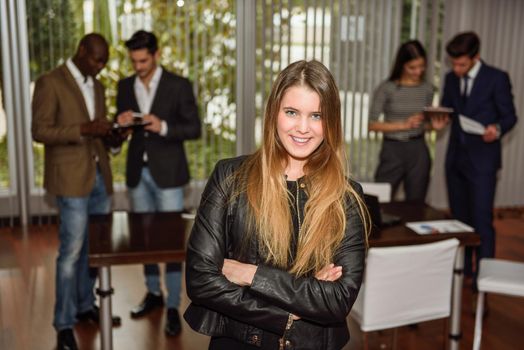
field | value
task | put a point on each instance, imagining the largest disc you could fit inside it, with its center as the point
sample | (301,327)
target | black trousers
(269,342)
(471,198)
(408,162)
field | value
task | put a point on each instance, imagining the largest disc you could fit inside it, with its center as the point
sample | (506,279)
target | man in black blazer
(157,168)
(483,94)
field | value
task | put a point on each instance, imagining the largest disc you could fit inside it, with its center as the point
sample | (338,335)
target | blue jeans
(147,197)
(74,280)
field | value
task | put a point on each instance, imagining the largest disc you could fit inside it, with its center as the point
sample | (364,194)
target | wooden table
(401,235)
(131,238)
(122,238)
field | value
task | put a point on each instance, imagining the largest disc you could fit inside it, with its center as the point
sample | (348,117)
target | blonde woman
(276,255)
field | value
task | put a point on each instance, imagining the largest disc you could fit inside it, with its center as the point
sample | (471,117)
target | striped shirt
(398,102)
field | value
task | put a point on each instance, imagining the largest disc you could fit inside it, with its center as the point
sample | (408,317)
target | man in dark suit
(157,167)
(483,94)
(69,118)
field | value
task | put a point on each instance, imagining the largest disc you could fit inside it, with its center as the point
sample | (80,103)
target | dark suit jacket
(490,102)
(174,102)
(58,111)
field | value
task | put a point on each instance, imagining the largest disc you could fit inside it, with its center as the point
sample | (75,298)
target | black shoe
(173,326)
(65,340)
(93,315)
(149,303)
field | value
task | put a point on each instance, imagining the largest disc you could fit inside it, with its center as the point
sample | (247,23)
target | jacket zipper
(282,341)
(298,208)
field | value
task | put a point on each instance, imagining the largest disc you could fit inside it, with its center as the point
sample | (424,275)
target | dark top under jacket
(258,314)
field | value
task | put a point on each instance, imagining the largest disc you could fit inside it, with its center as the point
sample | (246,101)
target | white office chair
(380,189)
(496,276)
(405,285)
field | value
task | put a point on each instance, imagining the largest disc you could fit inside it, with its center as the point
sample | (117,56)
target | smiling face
(299,124)
(414,70)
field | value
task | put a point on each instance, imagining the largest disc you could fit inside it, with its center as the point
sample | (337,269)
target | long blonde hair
(262,178)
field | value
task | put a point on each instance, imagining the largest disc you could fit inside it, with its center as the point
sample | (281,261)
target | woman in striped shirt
(404,156)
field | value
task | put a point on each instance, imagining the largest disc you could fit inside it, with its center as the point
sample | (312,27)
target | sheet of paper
(438,226)
(471,126)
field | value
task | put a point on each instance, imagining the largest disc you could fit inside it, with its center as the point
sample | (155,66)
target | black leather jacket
(251,314)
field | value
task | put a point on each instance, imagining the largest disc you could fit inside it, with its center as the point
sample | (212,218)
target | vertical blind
(357,40)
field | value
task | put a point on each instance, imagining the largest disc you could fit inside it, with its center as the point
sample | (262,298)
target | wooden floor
(27,275)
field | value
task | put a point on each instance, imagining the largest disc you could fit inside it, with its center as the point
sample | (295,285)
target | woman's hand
(329,273)
(439,121)
(413,121)
(239,273)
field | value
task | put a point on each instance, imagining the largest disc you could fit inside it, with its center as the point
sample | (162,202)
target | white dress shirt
(86,85)
(472,74)
(146,94)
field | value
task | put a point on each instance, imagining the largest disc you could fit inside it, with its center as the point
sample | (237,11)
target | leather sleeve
(45,106)
(206,285)
(319,301)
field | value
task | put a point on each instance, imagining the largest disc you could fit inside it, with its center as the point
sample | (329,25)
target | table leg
(105,291)
(455,333)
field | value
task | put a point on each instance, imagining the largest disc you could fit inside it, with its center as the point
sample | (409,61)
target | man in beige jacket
(69,118)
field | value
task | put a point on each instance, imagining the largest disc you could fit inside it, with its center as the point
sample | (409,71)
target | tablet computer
(437,110)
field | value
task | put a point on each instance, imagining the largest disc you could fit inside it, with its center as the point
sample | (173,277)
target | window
(197,40)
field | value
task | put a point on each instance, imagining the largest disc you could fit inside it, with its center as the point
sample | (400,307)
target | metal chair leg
(478,321)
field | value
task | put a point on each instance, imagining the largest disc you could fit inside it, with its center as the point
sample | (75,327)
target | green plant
(4,166)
